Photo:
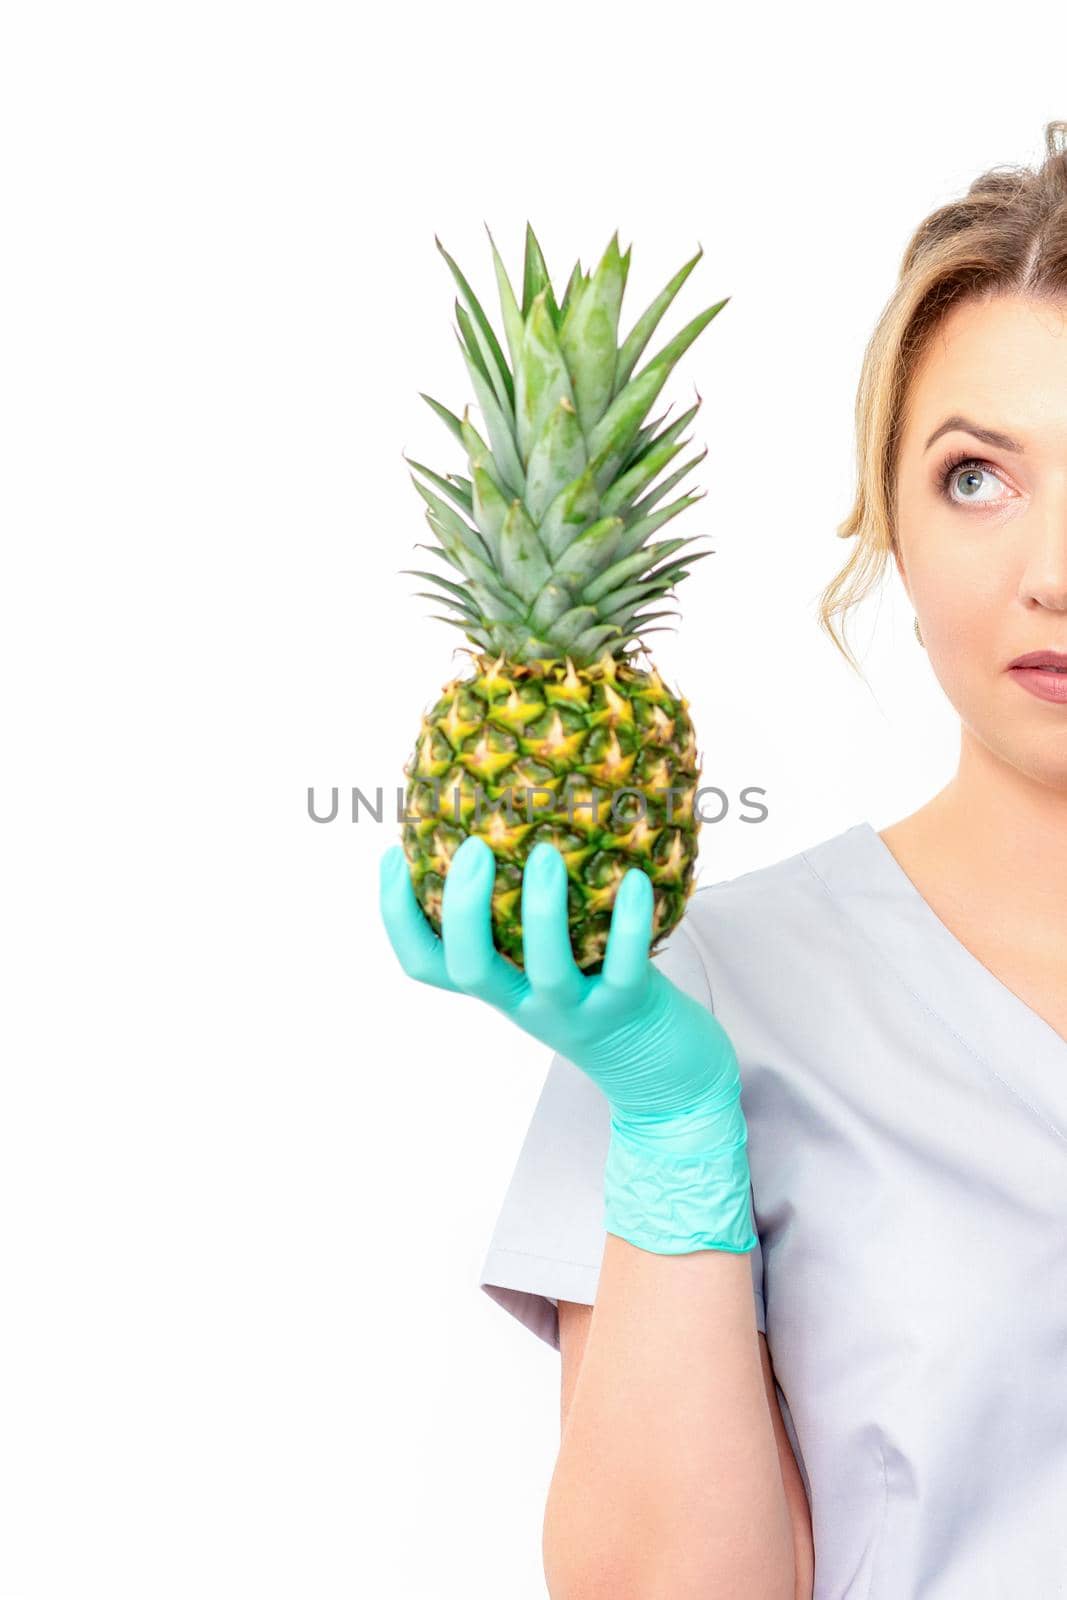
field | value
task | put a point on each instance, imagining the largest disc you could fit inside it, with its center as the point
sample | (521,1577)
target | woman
(863,1393)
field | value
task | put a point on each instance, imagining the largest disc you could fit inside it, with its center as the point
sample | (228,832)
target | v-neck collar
(1005,1034)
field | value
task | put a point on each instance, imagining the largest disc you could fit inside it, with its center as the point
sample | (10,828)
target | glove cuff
(675,1203)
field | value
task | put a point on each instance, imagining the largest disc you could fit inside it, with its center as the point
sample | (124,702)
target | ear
(900,568)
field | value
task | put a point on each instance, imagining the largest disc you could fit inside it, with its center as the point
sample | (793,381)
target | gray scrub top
(907,1122)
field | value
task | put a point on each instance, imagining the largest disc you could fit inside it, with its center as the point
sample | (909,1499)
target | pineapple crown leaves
(548,538)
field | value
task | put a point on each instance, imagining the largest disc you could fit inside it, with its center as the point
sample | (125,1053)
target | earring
(918,635)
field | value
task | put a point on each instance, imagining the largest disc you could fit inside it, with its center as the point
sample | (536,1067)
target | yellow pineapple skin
(598,759)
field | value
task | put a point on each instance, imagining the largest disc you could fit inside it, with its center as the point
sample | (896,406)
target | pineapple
(557,732)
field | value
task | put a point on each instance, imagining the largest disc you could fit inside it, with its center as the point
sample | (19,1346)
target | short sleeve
(548,1241)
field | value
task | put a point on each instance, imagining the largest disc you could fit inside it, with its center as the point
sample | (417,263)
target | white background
(248,1170)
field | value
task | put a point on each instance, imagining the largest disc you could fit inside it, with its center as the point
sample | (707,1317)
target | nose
(1044,577)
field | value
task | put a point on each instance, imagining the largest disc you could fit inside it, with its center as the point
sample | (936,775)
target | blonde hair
(1006,235)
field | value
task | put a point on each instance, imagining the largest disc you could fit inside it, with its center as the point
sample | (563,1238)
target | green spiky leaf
(549,538)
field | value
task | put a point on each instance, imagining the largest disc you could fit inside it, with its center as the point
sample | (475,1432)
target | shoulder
(740,935)
(789,890)
(796,877)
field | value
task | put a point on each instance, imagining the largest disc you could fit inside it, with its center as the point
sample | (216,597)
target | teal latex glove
(676,1177)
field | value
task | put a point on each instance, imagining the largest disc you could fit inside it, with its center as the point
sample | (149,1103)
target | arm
(575,1320)
(676,1184)
(668,1484)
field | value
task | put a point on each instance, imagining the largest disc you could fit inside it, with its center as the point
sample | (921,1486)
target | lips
(1050,659)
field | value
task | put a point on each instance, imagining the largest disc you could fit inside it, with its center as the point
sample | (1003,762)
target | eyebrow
(987,435)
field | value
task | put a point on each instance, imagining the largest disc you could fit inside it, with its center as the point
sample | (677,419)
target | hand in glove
(676,1177)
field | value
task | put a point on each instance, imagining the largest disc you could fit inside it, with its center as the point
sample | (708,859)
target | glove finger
(417,947)
(546,944)
(472,960)
(626,957)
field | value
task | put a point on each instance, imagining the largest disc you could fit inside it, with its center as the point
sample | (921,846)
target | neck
(1003,832)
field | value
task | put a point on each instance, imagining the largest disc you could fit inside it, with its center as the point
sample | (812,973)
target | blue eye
(954,468)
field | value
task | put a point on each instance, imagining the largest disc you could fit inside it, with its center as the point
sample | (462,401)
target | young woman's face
(984,544)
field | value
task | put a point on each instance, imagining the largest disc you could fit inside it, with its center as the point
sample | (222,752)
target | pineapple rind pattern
(600,760)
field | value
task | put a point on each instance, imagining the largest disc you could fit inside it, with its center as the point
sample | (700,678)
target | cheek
(965,587)
(961,603)
(959,598)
